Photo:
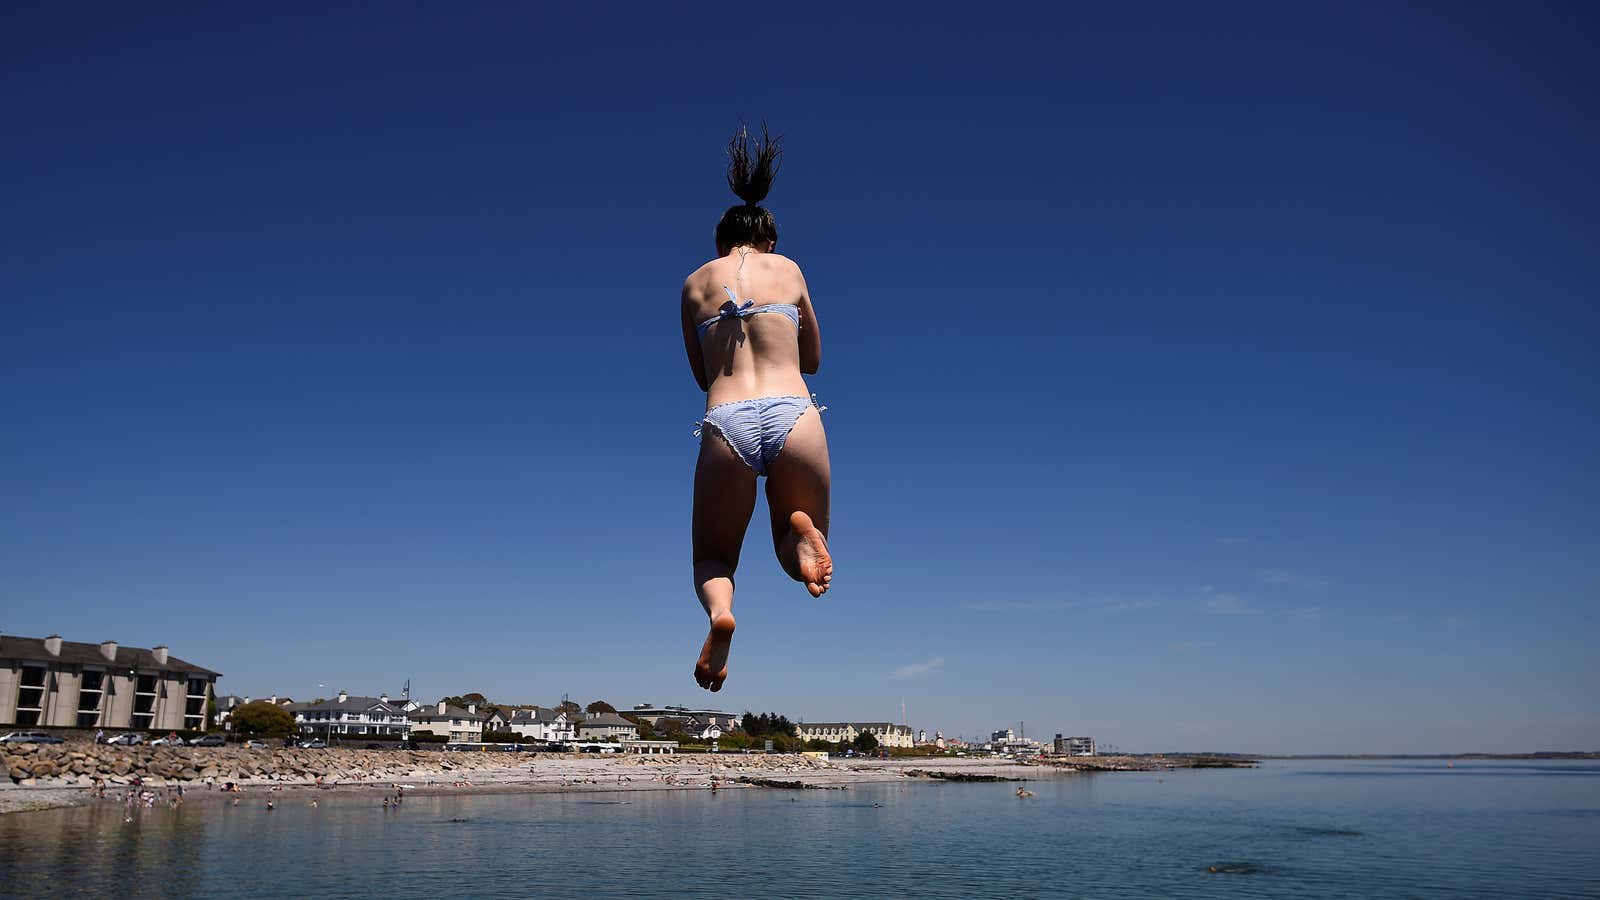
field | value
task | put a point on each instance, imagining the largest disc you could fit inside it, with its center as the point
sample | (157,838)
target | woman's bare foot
(811,553)
(711,670)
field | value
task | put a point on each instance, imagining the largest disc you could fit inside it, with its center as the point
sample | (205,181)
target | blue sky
(1197,379)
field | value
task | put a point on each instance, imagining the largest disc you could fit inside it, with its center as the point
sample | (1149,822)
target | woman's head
(752,165)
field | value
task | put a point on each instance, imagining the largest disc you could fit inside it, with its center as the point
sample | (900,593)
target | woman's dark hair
(752,165)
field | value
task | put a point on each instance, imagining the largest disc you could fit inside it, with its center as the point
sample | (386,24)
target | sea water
(1370,828)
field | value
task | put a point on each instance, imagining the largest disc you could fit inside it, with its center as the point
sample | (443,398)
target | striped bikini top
(732,310)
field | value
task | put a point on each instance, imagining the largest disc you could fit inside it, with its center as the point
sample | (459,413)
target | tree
(818,744)
(865,742)
(465,699)
(262,718)
(568,707)
(647,732)
(598,707)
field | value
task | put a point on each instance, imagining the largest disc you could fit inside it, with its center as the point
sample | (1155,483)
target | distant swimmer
(751,334)
(1024,792)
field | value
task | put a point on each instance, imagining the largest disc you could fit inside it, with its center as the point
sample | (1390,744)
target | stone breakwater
(77,765)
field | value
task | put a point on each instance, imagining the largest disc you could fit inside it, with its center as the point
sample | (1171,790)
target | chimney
(108,649)
(52,645)
(472,708)
(274,700)
(441,707)
(343,696)
(160,653)
(384,697)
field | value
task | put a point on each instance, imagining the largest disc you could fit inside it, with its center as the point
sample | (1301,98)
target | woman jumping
(750,332)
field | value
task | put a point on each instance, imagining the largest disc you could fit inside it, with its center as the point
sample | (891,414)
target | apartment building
(50,682)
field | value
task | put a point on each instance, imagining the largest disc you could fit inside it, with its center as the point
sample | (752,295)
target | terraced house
(888,734)
(50,682)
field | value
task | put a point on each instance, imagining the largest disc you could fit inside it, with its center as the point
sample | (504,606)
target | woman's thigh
(724,497)
(800,478)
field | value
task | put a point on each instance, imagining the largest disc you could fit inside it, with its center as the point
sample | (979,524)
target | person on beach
(751,334)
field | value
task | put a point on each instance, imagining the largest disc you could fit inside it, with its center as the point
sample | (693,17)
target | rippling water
(1297,829)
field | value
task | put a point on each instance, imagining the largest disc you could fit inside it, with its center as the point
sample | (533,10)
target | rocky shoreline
(44,776)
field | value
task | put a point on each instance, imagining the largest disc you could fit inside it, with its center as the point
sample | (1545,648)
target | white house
(542,724)
(607,726)
(457,724)
(348,715)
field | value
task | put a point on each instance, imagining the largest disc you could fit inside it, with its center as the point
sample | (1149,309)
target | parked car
(127,739)
(313,744)
(29,737)
(169,741)
(208,740)
(254,744)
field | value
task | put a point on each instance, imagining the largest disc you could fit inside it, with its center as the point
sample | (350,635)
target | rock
(18,773)
(121,767)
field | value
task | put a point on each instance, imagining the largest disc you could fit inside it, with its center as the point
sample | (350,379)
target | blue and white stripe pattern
(756,429)
(733,310)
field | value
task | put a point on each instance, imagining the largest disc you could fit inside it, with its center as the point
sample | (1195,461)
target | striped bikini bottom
(757,428)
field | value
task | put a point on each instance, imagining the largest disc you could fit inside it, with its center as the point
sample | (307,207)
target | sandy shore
(590,773)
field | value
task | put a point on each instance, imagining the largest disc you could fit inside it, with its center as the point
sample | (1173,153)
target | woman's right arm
(691,338)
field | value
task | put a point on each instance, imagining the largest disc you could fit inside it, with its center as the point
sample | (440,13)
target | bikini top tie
(733,310)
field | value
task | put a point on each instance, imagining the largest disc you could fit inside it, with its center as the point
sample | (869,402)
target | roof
(538,714)
(606,720)
(349,703)
(430,711)
(81,654)
(856,725)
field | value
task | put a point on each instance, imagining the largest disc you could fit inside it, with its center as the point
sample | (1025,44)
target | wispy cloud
(915,669)
(1128,605)
(1292,579)
(1017,605)
(1227,605)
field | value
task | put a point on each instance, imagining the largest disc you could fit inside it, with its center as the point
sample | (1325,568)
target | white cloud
(915,669)
(1228,605)
(1292,579)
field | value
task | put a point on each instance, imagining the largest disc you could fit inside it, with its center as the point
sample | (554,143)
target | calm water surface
(1289,829)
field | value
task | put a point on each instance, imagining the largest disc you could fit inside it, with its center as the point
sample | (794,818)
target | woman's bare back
(755,356)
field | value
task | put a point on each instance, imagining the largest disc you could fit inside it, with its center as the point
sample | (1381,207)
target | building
(888,734)
(607,727)
(54,683)
(650,748)
(693,720)
(347,715)
(1074,746)
(495,722)
(457,724)
(541,723)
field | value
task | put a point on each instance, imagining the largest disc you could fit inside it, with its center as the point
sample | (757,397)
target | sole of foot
(811,552)
(711,669)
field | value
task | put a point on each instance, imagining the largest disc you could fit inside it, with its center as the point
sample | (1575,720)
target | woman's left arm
(810,334)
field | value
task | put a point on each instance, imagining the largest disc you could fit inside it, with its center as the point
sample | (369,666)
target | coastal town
(92,716)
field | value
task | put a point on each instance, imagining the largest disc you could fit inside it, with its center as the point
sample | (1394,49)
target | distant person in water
(750,332)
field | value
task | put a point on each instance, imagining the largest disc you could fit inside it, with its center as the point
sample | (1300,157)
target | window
(194,705)
(91,687)
(30,696)
(144,701)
